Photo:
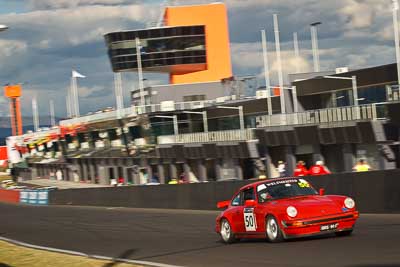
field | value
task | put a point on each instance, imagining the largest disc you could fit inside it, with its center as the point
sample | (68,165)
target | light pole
(140,72)
(354,86)
(266,71)
(396,36)
(296,51)
(204,114)
(314,42)
(175,121)
(241,117)
(279,62)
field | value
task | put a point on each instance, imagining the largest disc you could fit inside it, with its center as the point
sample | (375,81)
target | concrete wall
(374,192)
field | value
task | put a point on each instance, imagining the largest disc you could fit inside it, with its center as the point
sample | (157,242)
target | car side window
(248,194)
(236,200)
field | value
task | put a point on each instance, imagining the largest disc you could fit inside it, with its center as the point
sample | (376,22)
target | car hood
(311,206)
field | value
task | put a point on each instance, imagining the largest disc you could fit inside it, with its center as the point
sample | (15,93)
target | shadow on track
(125,255)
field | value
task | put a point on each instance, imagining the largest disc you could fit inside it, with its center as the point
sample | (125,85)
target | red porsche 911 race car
(285,208)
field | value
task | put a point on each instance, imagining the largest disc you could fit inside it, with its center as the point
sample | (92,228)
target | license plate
(328,227)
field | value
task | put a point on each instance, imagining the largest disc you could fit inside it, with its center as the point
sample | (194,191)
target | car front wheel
(226,232)
(273,231)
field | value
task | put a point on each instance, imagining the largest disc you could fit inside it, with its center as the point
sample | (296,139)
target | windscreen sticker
(289,181)
(261,187)
(303,183)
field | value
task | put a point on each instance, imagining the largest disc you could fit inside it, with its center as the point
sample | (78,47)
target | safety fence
(374,192)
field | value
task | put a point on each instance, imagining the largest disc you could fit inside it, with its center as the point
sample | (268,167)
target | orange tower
(13,92)
(214,18)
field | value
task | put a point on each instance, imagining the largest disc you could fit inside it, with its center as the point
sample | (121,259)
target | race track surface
(187,238)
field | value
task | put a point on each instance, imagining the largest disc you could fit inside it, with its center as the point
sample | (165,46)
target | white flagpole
(69,104)
(140,73)
(75,96)
(118,94)
(52,117)
(296,51)
(35,114)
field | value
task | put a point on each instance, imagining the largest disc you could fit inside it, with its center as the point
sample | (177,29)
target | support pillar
(186,170)
(317,154)
(202,169)
(84,176)
(238,169)
(173,171)
(92,167)
(290,161)
(218,170)
(125,174)
(348,157)
(161,174)
(268,163)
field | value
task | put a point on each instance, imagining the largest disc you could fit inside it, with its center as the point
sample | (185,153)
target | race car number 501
(249,219)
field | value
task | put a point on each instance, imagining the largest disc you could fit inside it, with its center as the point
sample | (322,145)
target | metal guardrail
(219,136)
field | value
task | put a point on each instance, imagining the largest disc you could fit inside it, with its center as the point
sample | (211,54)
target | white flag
(76,74)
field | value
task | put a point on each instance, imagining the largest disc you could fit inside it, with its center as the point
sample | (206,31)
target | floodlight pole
(396,36)
(278,56)
(266,72)
(140,72)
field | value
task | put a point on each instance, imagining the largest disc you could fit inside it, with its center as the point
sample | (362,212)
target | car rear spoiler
(223,204)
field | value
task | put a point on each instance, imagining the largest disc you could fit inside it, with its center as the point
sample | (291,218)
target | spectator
(182,178)
(120,181)
(59,175)
(13,173)
(75,176)
(319,169)
(155,178)
(281,168)
(300,169)
(51,175)
(113,182)
(173,181)
(362,166)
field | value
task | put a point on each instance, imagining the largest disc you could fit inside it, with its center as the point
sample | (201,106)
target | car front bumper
(320,225)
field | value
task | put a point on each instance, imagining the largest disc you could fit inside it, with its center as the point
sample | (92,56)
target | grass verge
(18,256)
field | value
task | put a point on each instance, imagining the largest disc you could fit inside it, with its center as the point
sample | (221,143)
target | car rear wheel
(226,232)
(273,231)
(344,233)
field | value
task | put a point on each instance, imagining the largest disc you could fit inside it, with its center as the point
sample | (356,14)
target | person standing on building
(319,169)
(300,169)
(75,176)
(59,175)
(281,168)
(362,166)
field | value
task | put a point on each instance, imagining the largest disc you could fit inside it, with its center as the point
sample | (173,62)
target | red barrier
(9,196)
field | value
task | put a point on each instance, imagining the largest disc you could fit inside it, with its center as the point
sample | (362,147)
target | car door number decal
(250,222)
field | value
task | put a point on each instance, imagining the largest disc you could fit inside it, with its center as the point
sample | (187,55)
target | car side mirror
(321,191)
(223,204)
(250,203)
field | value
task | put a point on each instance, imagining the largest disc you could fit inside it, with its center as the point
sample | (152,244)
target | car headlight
(349,203)
(291,211)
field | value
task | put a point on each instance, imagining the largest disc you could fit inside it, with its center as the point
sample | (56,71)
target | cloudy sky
(48,38)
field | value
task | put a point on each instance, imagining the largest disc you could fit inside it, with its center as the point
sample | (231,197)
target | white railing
(137,110)
(219,136)
(329,115)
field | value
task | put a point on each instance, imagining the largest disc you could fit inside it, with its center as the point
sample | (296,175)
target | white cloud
(9,48)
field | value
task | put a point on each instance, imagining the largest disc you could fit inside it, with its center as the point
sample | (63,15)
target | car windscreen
(284,189)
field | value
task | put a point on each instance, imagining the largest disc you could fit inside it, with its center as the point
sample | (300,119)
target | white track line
(75,253)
